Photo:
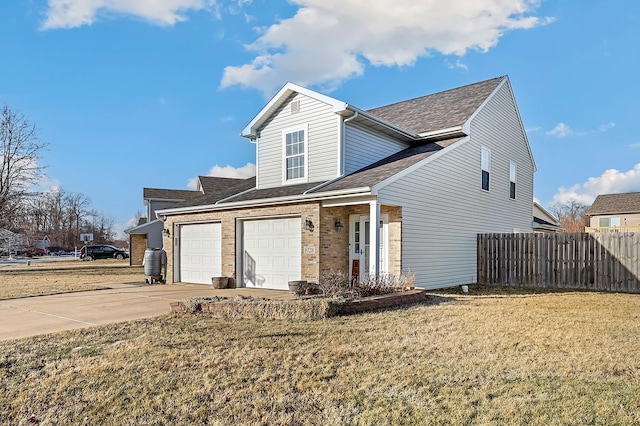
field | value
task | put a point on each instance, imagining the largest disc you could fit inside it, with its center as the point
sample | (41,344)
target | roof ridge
(437,93)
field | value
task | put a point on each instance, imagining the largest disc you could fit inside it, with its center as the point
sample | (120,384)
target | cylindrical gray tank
(152,262)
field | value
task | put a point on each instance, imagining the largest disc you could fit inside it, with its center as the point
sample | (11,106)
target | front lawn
(541,358)
(41,279)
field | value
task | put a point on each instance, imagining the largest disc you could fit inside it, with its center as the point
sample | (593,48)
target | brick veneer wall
(324,249)
(334,245)
(228,219)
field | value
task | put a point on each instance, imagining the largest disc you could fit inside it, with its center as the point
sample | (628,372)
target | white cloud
(457,64)
(635,145)
(328,41)
(606,126)
(562,130)
(244,172)
(611,181)
(76,13)
(119,228)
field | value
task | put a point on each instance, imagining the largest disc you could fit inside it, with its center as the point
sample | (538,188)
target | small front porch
(349,242)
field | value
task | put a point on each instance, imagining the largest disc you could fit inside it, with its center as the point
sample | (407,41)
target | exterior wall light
(166,233)
(308,225)
(338,225)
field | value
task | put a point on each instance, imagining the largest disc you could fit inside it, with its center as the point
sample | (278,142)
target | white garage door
(200,253)
(271,252)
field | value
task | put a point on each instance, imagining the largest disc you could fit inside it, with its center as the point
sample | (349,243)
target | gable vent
(295,107)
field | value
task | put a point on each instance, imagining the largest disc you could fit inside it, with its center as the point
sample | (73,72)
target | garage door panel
(200,252)
(272,250)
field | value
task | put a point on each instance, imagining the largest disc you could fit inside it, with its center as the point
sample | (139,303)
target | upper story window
(486,166)
(295,154)
(513,171)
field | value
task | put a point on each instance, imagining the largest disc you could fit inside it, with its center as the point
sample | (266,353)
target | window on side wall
(513,171)
(295,149)
(486,166)
(609,222)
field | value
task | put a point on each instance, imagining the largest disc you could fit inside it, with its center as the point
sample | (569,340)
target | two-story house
(615,213)
(403,188)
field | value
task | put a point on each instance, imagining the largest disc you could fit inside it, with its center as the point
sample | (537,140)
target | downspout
(344,143)
(353,117)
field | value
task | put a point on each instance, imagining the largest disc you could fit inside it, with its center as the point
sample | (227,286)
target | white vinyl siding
(443,207)
(364,147)
(322,142)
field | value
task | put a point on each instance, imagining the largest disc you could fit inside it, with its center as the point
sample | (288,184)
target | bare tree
(572,215)
(77,205)
(20,148)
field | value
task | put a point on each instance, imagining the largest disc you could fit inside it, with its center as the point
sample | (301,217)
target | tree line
(572,215)
(55,213)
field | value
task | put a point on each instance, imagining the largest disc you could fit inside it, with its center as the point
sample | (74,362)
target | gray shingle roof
(169,194)
(276,192)
(615,204)
(438,111)
(389,166)
(363,178)
(216,189)
(226,186)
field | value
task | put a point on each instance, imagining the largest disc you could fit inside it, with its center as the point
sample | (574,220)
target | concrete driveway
(46,314)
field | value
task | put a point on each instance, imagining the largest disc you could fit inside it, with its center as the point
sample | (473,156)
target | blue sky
(154,93)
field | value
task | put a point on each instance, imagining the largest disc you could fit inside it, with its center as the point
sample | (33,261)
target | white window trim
(484,148)
(286,131)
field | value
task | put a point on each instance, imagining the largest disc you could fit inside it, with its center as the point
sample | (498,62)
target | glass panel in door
(367,238)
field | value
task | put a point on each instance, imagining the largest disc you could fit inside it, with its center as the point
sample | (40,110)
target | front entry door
(359,244)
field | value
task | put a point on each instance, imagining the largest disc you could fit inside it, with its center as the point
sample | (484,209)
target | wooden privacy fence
(603,261)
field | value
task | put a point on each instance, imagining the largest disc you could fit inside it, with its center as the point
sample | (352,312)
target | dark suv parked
(102,252)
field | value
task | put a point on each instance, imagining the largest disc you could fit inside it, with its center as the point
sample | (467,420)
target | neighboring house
(11,242)
(543,221)
(42,244)
(400,189)
(615,213)
(148,232)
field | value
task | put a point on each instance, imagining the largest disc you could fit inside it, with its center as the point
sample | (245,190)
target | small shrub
(384,284)
(339,284)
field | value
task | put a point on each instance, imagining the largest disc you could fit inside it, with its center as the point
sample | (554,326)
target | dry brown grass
(40,279)
(559,358)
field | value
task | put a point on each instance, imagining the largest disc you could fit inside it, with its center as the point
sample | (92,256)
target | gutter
(234,195)
(322,185)
(353,192)
(443,133)
(353,117)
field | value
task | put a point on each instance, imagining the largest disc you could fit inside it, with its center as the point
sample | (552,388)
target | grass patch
(64,277)
(555,358)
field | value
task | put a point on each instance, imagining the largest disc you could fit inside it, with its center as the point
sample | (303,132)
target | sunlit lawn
(550,358)
(64,277)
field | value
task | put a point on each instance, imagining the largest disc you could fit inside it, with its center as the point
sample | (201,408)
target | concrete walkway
(46,314)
